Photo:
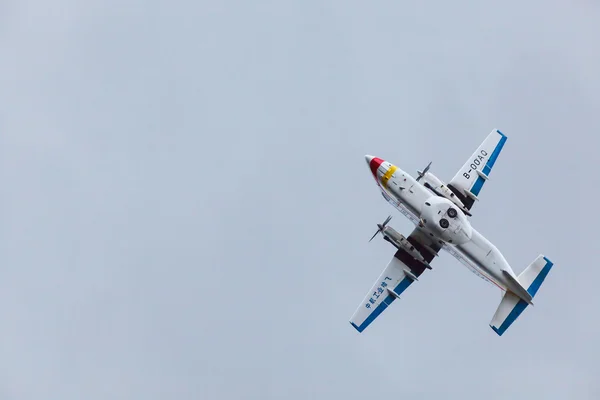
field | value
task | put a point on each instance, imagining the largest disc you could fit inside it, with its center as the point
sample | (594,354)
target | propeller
(422,173)
(381,226)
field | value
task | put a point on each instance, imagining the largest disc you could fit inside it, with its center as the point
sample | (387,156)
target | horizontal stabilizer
(517,288)
(533,276)
(508,311)
(512,305)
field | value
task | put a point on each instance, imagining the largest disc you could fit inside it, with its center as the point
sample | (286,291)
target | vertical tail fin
(511,305)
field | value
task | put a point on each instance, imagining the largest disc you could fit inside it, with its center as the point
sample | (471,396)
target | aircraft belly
(404,210)
(409,192)
(479,254)
(485,257)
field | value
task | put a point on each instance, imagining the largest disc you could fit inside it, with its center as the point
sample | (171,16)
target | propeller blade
(388,219)
(427,168)
(422,173)
(373,237)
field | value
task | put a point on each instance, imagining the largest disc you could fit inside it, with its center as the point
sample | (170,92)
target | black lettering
(480,157)
(466,175)
(473,166)
(483,153)
(476,161)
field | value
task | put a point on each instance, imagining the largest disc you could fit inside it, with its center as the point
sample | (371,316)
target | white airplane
(440,213)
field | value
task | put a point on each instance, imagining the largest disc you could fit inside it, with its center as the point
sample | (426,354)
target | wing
(395,278)
(469,180)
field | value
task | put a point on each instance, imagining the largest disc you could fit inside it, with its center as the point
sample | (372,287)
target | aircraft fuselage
(444,222)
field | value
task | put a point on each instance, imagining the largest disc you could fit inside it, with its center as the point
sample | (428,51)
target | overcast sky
(185,206)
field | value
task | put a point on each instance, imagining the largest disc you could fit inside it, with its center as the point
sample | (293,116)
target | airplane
(441,214)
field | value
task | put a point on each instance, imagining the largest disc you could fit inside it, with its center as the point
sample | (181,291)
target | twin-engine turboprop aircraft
(440,213)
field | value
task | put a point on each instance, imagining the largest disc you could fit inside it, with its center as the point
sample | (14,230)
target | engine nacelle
(439,188)
(401,243)
(442,218)
(433,180)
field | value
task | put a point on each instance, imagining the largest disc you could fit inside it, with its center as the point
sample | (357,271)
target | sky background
(185,205)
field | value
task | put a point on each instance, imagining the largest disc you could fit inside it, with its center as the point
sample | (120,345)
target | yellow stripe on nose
(386,177)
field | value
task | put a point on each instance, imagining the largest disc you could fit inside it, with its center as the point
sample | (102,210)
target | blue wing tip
(502,134)
(498,331)
(356,327)
(548,262)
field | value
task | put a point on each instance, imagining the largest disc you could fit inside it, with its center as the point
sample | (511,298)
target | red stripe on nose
(374,164)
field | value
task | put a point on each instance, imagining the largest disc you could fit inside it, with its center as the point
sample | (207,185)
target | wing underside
(397,276)
(469,180)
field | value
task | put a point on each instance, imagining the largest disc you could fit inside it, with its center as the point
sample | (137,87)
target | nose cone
(373,163)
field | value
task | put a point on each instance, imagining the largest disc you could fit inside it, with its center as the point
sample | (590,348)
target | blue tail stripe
(383,305)
(514,314)
(490,163)
(537,282)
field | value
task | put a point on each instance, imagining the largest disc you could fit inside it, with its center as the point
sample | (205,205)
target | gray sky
(185,204)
